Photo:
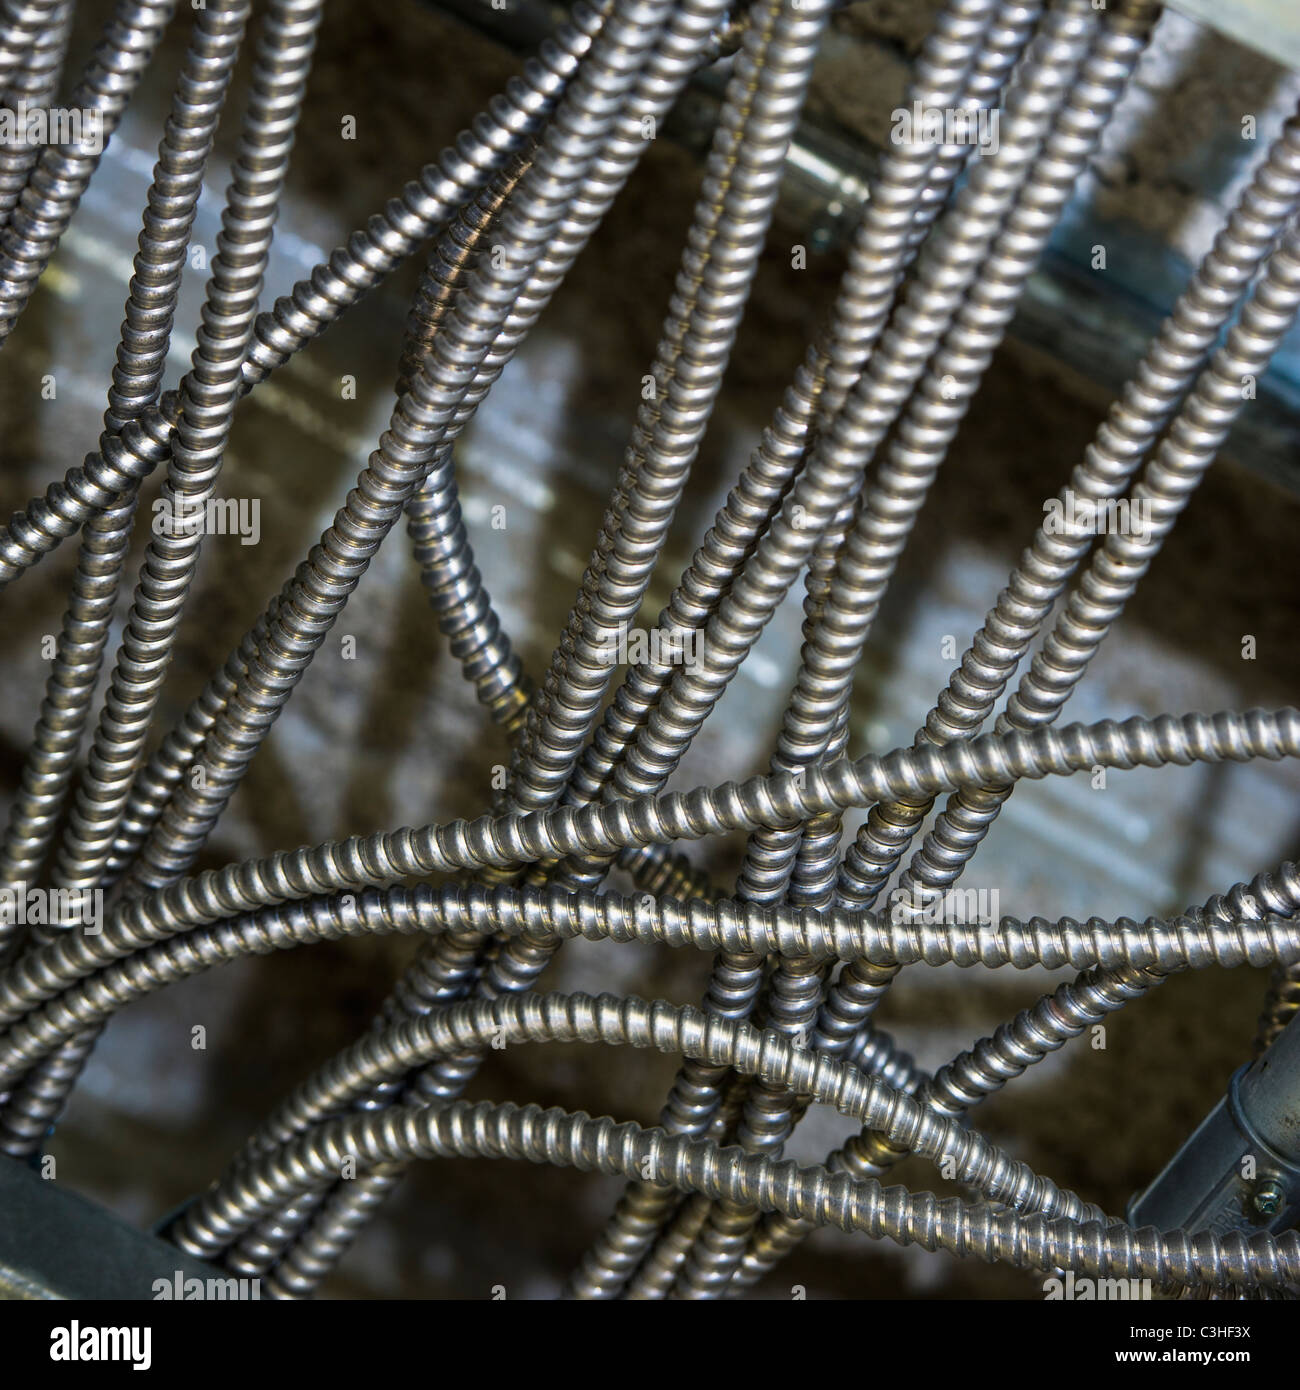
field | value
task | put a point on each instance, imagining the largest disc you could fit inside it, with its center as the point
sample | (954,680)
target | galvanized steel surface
(805,951)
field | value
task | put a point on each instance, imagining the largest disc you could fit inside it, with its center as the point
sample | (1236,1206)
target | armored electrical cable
(894,211)
(892,500)
(423,206)
(1148,401)
(737,199)
(137,378)
(60,174)
(208,394)
(30,66)
(946,267)
(640,34)
(943,246)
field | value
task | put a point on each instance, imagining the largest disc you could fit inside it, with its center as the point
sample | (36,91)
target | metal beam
(55,1244)
(1270,27)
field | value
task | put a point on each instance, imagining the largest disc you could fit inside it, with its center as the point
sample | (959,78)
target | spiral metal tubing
(802,955)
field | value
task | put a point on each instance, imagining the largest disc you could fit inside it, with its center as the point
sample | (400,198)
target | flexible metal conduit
(946,242)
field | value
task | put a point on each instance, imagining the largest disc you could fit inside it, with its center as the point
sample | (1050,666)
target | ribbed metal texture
(803,951)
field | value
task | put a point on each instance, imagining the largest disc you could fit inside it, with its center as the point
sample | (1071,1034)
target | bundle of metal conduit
(804,947)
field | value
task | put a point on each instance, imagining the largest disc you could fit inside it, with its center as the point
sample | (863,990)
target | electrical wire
(803,955)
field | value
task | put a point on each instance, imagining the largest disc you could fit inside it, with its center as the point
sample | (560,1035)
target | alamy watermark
(55,907)
(1084,516)
(946,125)
(212,516)
(949,907)
(636,646)
(193,1290)
(77,1343)
(36,126)
(1086,1290)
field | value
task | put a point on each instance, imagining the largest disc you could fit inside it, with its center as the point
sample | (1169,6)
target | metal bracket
(1240,1170)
